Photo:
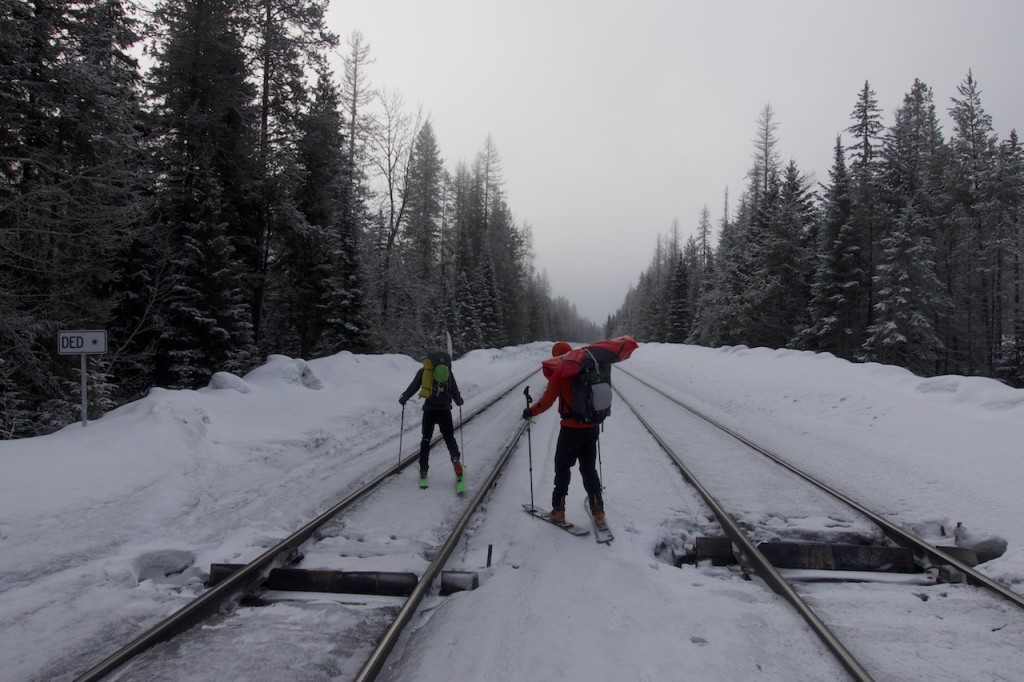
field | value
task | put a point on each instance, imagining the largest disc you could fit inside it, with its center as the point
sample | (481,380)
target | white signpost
(82,342)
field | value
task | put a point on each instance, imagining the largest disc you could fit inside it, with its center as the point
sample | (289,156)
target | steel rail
(765,570)
(896,533)
(375,662)
(235,584)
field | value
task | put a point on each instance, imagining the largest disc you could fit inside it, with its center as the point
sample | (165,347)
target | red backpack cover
(605,352)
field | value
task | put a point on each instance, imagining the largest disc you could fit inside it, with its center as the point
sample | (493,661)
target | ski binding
(565,525)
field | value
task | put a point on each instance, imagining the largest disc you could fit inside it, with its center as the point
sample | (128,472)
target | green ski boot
(460,477)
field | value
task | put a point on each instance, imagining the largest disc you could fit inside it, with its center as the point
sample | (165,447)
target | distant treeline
(230,200)
(909,255)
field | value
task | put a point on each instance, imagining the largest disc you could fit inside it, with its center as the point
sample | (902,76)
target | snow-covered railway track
(745,475)
(437,519)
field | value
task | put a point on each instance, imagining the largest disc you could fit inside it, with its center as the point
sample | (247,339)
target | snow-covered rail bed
(390,526)
(550,605)
(555,606)
(917,629)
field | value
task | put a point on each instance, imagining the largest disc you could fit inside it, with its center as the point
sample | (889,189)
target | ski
(602,533)
(565,525)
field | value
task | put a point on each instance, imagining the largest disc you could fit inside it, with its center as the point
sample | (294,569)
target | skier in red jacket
(577,441)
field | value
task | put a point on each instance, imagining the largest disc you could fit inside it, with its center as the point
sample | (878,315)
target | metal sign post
(82,342)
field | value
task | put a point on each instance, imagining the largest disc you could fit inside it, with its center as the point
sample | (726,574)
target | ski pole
(401,432)
(600,466)
(529,443)
(462,437)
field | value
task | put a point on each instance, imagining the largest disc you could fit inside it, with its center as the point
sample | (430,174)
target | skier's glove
(527,414)
(401,401)
(459,401)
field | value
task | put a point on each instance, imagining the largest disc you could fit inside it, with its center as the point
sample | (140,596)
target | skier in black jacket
(437,410)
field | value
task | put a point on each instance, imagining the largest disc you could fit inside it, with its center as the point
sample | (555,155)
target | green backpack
(435,374)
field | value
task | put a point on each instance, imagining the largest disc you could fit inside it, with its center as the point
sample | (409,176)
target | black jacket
(438,401)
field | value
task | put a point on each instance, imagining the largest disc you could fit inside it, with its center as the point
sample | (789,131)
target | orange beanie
(560,348)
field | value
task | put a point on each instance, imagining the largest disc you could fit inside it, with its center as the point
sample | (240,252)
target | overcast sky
(612,119)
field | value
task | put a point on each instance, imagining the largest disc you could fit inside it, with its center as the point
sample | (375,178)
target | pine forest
(233,199)
(909,255)
(198,181)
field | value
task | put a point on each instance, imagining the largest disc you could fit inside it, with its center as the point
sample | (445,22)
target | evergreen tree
(282,40)
(424,200)
(511,270)
(701,288)
(537,295)
(762,243)
(910,297)
(726,304)
(658,297)
(1009,224)
(490,252)
(418,280)
(974,248)
(138,316)
(71,195)
(487,306)
(697,270)
(308,258)
(357,94)
(353,323)
(328,282)
(903,333)
(488,170)
(781,266)
(764,172)
(467,330)
(679,317)
(839,272)
(865,198)
(203,108)
(703,239)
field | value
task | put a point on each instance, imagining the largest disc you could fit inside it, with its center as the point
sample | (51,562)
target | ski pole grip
(526,392)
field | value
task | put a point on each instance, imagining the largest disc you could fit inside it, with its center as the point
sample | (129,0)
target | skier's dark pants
(443,419)
(573,445)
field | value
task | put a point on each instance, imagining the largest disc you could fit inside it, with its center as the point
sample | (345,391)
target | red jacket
(562,390)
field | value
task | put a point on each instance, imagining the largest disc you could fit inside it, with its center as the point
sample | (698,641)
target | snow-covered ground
(92,519)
